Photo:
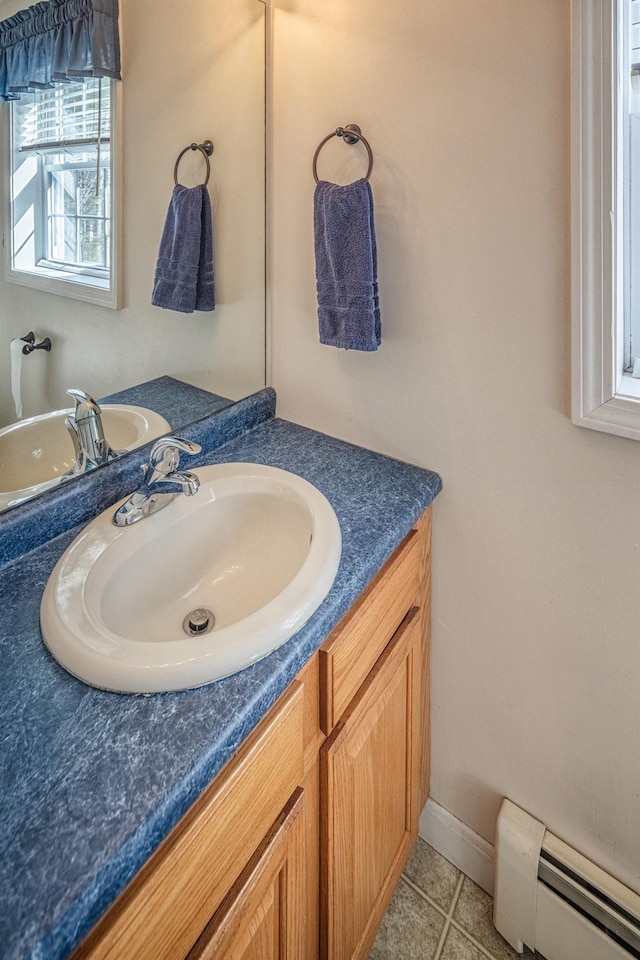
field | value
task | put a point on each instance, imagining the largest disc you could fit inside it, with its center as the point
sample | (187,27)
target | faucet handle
(165,456)
(172,444)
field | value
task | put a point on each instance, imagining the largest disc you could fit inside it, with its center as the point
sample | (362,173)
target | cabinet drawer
(355,645)
(167,905)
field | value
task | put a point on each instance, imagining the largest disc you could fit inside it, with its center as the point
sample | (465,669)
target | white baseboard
(458,843)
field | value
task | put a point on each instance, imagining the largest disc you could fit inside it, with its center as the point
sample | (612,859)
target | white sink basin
(35,453)
(256,546)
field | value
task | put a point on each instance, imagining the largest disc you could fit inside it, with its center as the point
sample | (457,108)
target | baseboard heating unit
(553,900)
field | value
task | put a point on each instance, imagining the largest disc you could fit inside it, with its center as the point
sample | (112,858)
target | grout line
(469,936)
(449,920)
(456,896)
(441,942)
(447,914)
(420,892)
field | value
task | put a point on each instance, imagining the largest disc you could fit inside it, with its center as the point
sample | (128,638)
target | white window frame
(60,282)
(603,396)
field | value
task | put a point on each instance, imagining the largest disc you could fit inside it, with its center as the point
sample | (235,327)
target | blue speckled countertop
(91,782)
(178,402)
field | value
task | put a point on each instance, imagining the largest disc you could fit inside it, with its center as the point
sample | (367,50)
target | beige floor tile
(410,930)
(473,913)
(432,873)
(457,947)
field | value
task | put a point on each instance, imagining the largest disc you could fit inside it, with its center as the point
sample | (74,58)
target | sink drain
(198,622)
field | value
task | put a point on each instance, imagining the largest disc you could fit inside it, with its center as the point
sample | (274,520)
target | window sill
(628,388)
(89,289)
(620,415)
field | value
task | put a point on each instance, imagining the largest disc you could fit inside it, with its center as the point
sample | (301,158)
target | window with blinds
(62,188)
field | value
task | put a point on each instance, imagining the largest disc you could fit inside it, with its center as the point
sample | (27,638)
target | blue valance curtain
(58,40)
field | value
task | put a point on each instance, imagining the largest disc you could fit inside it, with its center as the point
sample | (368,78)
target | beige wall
(536,619)
(192,70)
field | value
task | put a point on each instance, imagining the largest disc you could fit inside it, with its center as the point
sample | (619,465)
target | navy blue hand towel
(346,266)
(184,271)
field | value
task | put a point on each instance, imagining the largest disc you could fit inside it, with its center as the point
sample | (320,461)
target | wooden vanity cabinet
(294,850)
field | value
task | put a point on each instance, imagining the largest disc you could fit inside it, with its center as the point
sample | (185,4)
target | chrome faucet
(162,481)
(87,433)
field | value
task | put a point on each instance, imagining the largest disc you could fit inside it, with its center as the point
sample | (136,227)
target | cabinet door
(262,916)
(369,788)
(164,909)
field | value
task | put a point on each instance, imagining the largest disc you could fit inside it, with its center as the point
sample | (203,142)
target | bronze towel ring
(350,134)
(205,148)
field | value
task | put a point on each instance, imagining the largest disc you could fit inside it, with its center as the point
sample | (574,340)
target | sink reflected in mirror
(197,591)
(36,453)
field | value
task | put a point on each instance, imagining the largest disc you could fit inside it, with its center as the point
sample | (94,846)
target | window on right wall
(605,108)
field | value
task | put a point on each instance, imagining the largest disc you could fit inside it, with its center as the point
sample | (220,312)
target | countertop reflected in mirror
(178,402)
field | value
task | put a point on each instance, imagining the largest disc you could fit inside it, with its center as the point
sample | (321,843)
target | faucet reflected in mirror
(87,435)
(206,62)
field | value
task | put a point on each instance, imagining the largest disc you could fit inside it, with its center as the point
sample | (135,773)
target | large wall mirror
(192,71)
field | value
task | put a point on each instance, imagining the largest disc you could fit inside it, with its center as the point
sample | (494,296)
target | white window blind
(70,114)
(635,35)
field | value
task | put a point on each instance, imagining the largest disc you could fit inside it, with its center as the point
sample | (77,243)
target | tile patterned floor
(439,914)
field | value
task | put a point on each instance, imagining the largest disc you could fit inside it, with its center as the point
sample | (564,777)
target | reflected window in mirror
(63,189)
